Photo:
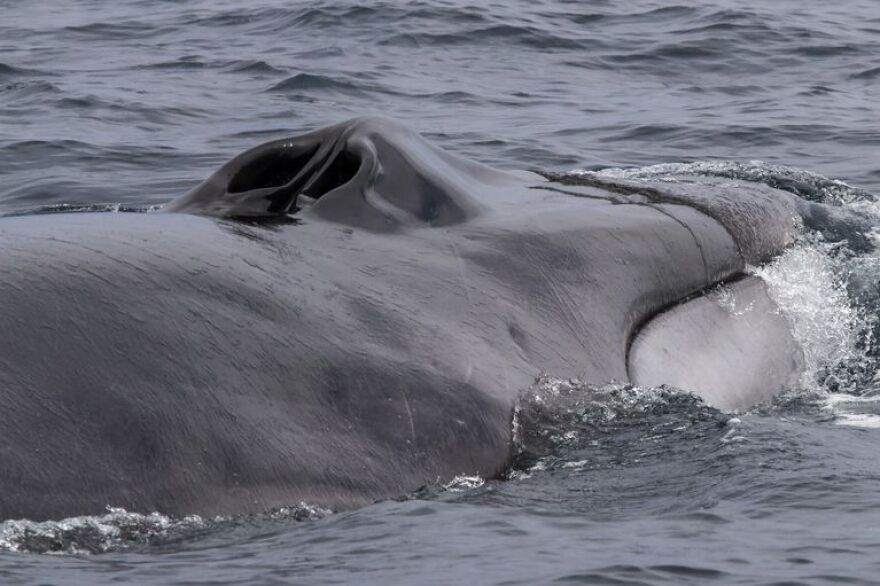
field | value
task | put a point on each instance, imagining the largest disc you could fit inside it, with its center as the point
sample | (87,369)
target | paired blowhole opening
(281,168)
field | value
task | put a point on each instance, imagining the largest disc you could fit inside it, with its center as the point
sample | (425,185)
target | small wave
(526,35)
(827,50)
(27,89)
(45,148)
(817,90)
(312,18)
(872,73)
(672,52)
(115,30)
(188,62)
(636,575)
(251,67)
(76,103)
(10,71)
(309,81)
(323,17)
(417,40)
(232,18)
(654,16)
(83,102)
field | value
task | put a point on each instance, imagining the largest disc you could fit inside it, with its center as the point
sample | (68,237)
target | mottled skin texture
(192,362)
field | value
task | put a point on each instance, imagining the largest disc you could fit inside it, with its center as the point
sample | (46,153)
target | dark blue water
(135,102)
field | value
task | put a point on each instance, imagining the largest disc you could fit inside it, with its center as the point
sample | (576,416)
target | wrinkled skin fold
(338,318)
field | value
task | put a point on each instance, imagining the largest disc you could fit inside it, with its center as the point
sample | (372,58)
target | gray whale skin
(347,315)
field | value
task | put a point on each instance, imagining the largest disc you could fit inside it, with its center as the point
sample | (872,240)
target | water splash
(119,530)
(464,483)
(568,423)
(301,512)
(806,285)
(831,295)
(863,411)
(66,208)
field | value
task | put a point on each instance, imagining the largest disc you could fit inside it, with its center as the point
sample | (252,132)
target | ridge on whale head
(373,173)
(191,362)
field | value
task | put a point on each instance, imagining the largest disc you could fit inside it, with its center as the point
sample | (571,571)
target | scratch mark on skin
(461,272)
(412,425)
(564,300)
(467,294)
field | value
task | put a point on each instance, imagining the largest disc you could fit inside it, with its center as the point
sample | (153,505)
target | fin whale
(347,315)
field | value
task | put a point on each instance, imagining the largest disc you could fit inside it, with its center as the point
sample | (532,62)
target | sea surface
(124,105)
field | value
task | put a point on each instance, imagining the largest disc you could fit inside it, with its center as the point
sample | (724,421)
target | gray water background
(134,102)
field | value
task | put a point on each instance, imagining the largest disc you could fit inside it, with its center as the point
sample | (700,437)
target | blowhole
(340,171)
(273,169)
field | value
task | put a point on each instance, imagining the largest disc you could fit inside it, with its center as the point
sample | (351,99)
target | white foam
(119,529)
(804,284)
(464,483)
(864,420)
(90,534)
(854,411)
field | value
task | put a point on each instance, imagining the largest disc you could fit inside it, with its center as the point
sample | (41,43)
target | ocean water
(125,105)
